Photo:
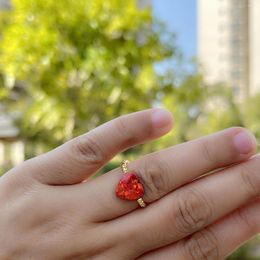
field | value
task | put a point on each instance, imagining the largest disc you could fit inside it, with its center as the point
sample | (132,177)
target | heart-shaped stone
(129,187)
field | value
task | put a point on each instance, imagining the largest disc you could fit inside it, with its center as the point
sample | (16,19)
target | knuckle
(124,132)
(193,211)
(202,245)
(249,179)
(243,218)
(208,153)
(87,150)
(155,182)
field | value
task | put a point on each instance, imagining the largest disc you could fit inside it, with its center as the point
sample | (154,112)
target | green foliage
(79,63)
(200,109)
(251,114)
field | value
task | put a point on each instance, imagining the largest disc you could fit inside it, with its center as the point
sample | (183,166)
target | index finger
(79,158)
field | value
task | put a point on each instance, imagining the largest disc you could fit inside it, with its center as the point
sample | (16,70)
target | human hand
(49,211)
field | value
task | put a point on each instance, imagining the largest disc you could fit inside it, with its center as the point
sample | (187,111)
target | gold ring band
(124,167)
(141,203)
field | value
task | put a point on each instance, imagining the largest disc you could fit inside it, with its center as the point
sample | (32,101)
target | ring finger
(164,171)
(192,207)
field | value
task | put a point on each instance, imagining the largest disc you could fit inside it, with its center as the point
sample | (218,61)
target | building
(4,4)
(11,146)
(228,37)
(255,45)
(144,3)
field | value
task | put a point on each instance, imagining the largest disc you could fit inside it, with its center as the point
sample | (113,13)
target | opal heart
(129,187)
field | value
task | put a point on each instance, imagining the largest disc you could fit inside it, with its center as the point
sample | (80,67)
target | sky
(180,17)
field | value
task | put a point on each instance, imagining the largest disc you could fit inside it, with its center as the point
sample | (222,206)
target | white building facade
(228,37)
(4,4)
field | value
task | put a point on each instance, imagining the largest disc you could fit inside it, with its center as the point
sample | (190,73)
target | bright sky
(180,17)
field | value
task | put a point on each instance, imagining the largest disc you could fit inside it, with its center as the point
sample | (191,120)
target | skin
(51,209)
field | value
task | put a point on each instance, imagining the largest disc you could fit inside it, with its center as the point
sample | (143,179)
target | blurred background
(67,66)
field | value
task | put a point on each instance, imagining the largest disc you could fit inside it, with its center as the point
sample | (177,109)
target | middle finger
(162,172)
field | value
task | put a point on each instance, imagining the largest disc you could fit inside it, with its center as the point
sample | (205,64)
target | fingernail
(244,142)
(161,118)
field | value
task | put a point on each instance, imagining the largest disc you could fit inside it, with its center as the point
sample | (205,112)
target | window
(236,75)
(236,90)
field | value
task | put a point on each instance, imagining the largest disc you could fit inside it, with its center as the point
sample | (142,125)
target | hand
(48,210)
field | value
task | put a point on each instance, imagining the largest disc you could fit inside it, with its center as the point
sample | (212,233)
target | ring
(129,186)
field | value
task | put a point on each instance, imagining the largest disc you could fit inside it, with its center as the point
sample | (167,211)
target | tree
(71,65)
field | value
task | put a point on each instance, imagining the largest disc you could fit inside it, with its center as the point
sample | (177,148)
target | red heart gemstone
(129,187)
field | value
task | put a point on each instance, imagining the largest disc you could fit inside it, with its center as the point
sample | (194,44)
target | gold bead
(124,166)
(141,203)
